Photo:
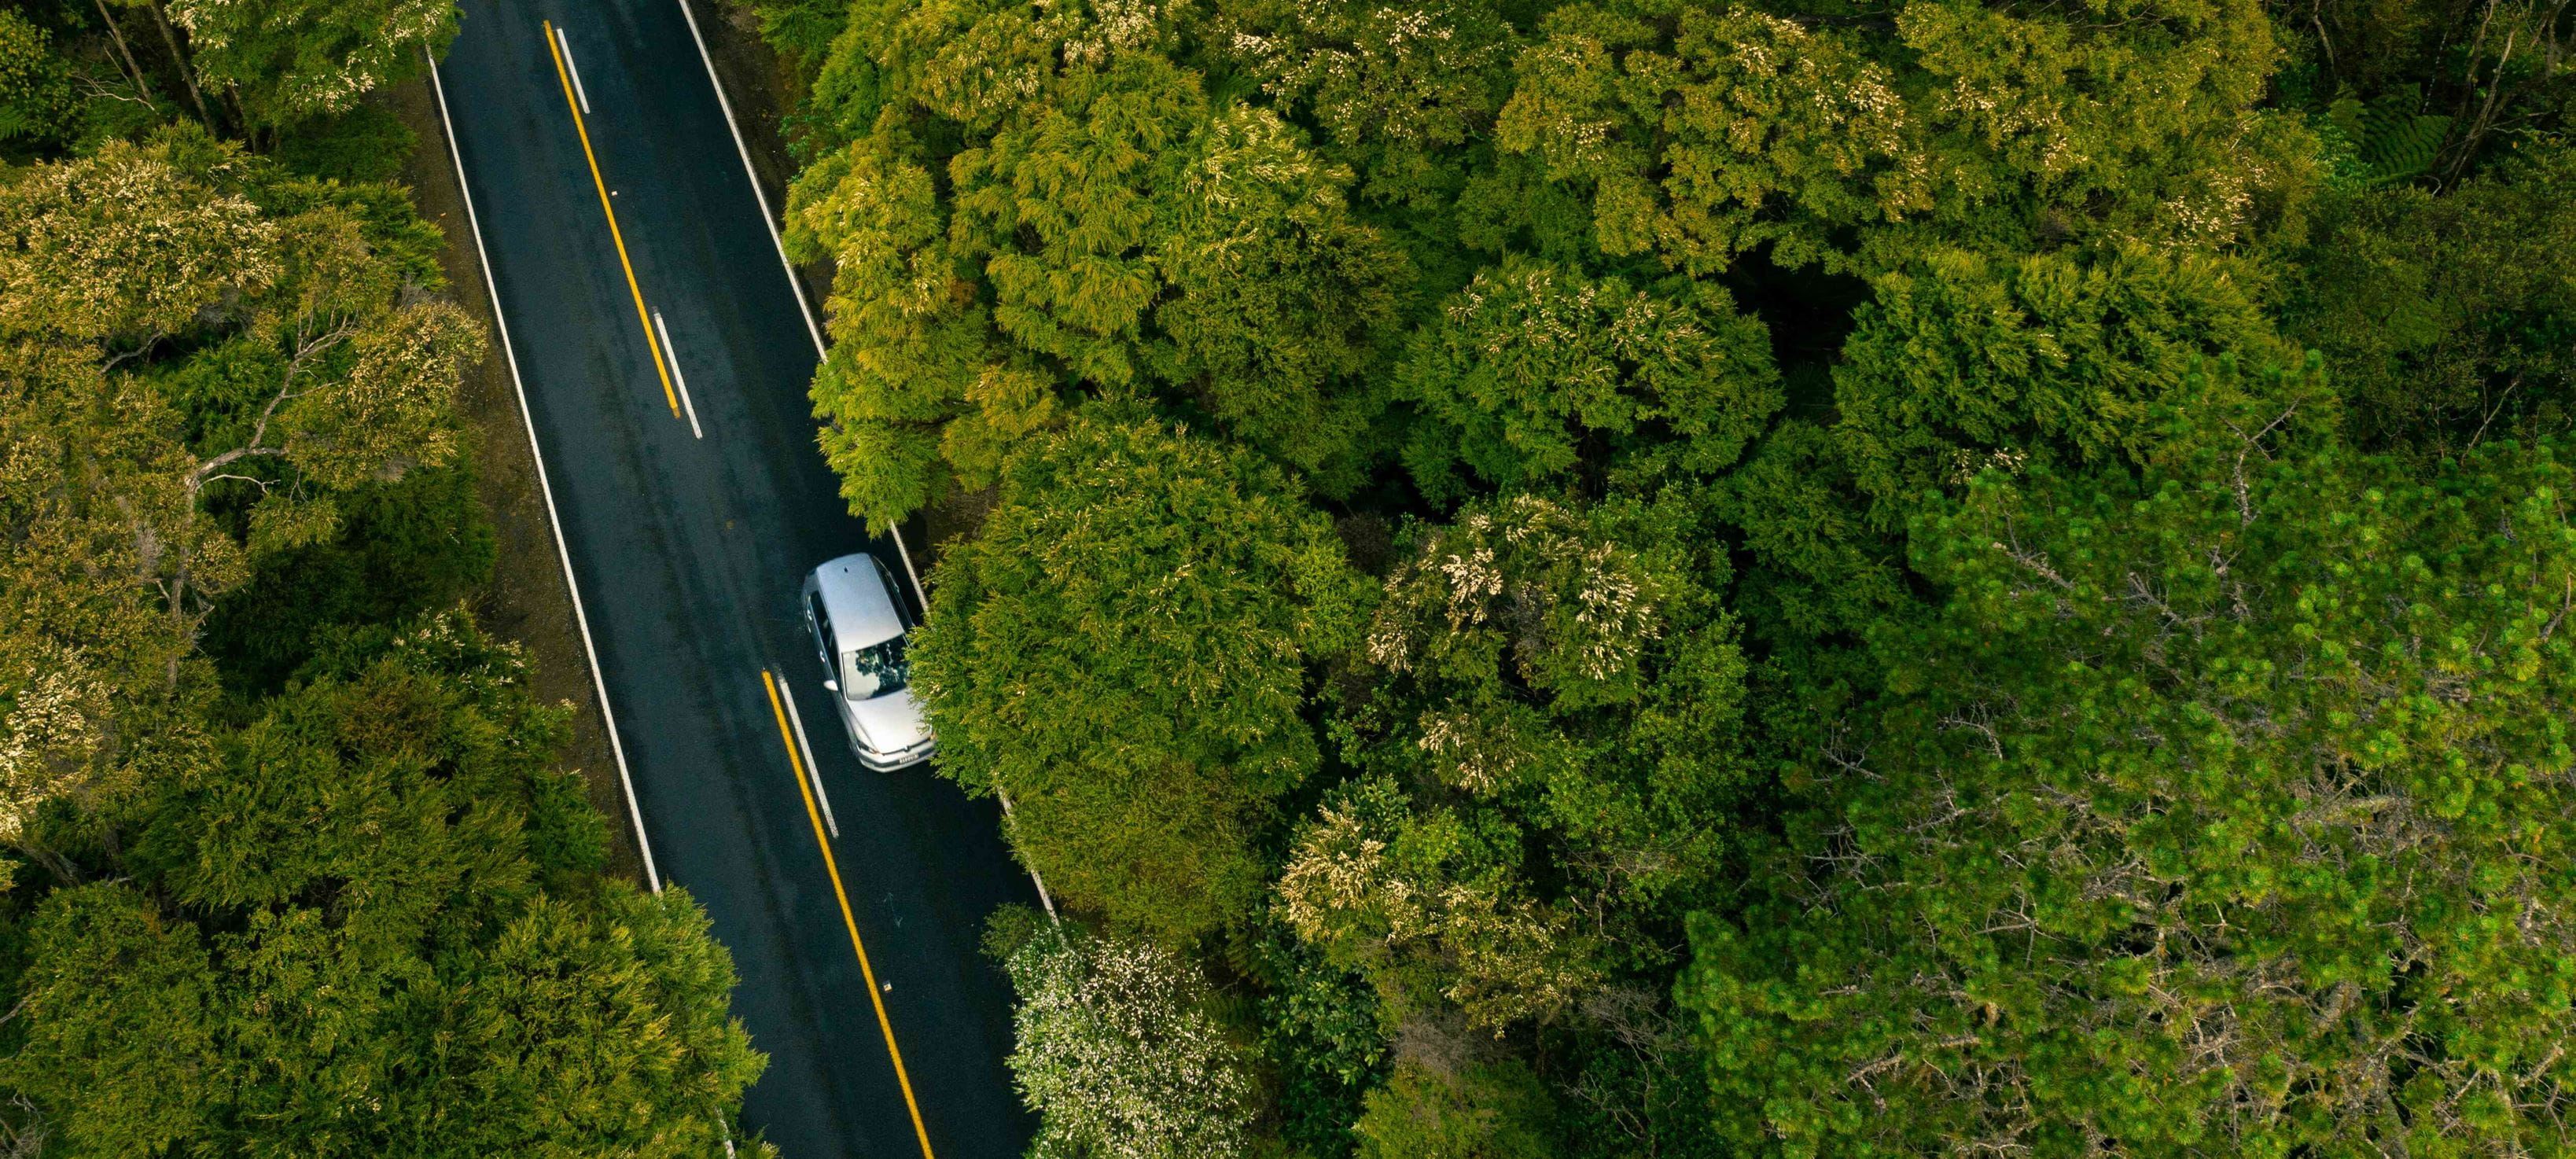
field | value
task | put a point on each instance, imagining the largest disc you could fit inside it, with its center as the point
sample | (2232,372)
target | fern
(2395,143)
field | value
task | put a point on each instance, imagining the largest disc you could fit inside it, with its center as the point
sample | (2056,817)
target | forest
(288,865)
(1735,577)
(1651,579)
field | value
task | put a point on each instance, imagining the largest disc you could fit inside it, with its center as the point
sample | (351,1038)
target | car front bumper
(889,762)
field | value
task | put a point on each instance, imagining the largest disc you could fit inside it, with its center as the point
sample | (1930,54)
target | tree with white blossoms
(286,60)
(1117,1057)
(1543,675)
(197,353)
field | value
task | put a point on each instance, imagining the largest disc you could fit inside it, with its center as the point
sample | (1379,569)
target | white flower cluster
(1471,752)
(1339,868)
(1374,72)
(1115,26)
(53,733)
(1117,1058)
(1533,564)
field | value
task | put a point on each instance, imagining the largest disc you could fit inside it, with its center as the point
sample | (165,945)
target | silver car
(859,623)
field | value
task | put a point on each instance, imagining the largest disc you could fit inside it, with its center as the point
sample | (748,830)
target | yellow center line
(642,315)
(875,995)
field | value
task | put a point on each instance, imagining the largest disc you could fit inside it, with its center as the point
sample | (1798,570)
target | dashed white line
(795,285)
(575,69)
(681,380)
(812,770)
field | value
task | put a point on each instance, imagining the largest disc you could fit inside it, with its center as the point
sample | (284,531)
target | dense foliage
(287,865)
(436,967)
(2217,809)
(1070,594)
(1949,575)
(1114,1049)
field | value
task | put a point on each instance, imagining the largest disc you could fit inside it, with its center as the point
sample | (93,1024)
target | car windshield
(876,670)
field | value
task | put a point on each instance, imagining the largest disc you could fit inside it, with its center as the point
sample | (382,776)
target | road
(688,550)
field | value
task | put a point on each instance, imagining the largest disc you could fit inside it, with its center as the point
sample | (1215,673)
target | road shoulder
(526,600)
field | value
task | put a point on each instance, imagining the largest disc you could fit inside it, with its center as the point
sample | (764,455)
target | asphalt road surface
(689,549)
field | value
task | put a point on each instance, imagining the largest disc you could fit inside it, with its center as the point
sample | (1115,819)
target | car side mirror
(833,686)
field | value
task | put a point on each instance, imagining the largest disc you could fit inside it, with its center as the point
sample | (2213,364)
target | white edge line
(590,650)
(575,69)
(896,533)
(673,358)
(768,219)
(812,770)
(794,285)
(1044,898)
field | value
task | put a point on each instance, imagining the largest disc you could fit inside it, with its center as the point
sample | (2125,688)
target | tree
(2435,87)
(291,59)
(1959,362)
(1701,132)
(1123,650)
(1275,295)
(1116,1056)
(131,243)
(2449,320)
(1492,1110)
(307,366)
(1550,743)
(1537,373)
(1432,904)
(197,357)
(1395,88)
(1102,229)
(2213,811)
(37,100)
(908,338)
(370,922)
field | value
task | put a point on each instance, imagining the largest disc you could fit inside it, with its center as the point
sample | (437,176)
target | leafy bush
(418,544)
(367,143)
(1116,1057)
(1488,1110)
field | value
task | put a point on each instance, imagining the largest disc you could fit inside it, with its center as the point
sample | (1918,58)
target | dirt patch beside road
(526,600)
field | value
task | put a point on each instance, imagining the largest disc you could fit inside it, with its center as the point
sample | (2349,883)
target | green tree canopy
(1702,131)
(1490,1110)
(1395,87)
(197,355)
(2214,811)
(1960,362)
(1551,740)
(292,59)
(1536,371)
(1102,227)
(2449,320)
(370,923)
(1175,592)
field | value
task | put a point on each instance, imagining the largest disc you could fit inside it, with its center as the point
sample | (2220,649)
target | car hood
(888,724)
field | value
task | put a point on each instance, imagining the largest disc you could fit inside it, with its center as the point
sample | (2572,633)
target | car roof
(856,598)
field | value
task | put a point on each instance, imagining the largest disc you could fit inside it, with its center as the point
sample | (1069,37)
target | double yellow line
(875,993)
(642,315)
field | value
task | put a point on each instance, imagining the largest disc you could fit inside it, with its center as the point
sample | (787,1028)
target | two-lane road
(688,548)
